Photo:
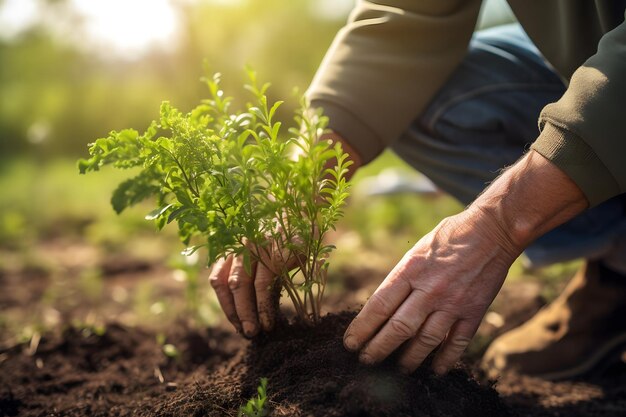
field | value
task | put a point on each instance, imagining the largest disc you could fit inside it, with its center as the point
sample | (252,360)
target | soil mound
(311,374)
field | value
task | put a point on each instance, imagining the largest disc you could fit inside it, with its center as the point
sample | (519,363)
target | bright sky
(129,26)
(126,27)
(16,14)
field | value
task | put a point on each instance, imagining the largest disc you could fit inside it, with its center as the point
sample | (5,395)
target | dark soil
(125,372)
(79,373)
(310,373)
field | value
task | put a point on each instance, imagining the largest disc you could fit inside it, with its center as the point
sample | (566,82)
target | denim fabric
(484,119)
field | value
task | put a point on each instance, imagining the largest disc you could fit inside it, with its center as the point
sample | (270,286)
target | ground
(97,366)
(99,315)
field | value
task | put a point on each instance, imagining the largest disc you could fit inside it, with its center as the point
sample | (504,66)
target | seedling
(256,406)
(231,182)
(170,351)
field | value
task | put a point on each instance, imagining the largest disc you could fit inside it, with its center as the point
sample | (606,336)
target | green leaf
(176,213)
(273,110)
(132,191)
(157,212)
(191,250)
(84,165)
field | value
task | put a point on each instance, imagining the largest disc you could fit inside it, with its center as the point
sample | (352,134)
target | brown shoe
(570,336)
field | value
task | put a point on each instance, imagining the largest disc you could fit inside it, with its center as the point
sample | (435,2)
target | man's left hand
(437,294)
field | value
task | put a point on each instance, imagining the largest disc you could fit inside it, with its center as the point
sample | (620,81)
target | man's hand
(438,293)
(440,290)
(249,301)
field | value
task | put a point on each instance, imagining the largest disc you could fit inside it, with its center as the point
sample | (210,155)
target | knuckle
(439,289)
(216,282)
(459,343)
(429,296)
(235,281)
(429,339)
(401,328)
(238,278)
(379,306)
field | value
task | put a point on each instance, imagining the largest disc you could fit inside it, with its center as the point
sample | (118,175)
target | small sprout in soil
(256,406)
(230,181)
(88,329)
(170,351)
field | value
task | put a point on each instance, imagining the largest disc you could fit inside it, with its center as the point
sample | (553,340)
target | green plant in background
(256,406)
(228,178)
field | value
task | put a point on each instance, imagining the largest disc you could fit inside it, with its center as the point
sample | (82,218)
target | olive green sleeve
(583,133)
(387,63)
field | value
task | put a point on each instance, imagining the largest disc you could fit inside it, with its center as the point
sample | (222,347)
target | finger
(219,281)
(242,287)
(378,309)
(454,345)
(402,326)
(428,337)
(266,300)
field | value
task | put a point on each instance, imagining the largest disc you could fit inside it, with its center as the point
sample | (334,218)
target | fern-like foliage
(229,180)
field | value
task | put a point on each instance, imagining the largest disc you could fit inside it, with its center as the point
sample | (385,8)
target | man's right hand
(249,301)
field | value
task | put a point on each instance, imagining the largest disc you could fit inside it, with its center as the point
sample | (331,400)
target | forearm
(530,198)
(387,63)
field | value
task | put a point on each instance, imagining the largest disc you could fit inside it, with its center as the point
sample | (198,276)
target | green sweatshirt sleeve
(583,133)
(387,63)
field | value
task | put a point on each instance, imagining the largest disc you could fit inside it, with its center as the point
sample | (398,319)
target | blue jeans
(483,119)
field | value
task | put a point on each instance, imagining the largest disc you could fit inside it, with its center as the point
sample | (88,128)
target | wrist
(490,233)
(529,199)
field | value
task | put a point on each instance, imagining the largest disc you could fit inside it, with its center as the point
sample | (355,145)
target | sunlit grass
(47,199)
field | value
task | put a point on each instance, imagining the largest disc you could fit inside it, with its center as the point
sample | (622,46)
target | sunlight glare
(129,27)
(15,15)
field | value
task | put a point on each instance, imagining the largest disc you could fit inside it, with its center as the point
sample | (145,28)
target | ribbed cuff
(351,129)
(578,160)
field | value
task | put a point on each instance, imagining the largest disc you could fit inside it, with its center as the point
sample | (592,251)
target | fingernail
(249,329)
(366,359)
(351,343)
(440,370)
